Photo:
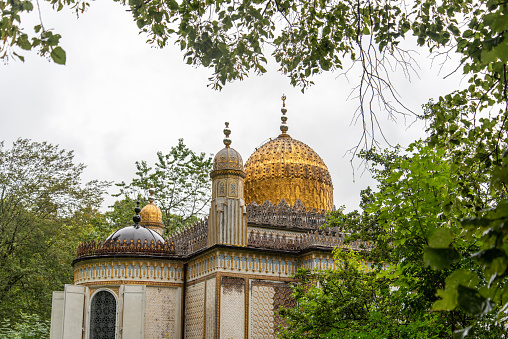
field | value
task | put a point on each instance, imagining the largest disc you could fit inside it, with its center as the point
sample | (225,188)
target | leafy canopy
(305,38)
(414,223)
(42,204)
(181,180)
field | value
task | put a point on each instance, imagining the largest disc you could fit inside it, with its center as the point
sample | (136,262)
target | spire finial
(227,132)
(151,191)
(137,218)
(284,118)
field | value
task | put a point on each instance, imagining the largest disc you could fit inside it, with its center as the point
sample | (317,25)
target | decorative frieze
(190,239)
(325,238)
(127,271)
(242,262)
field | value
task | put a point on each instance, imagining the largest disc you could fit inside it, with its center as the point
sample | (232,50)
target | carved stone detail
(283,215)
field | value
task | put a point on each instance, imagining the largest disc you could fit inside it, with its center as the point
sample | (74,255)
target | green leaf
(450,294)
(439,258)
(442,238)
(472,302)
(20,57)
(58,55)
(173,5)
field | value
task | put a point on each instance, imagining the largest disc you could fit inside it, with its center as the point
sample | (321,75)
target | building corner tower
(227,221)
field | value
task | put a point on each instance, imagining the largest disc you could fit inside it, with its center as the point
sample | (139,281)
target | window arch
(103,315)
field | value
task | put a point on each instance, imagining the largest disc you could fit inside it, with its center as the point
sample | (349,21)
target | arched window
(103,316)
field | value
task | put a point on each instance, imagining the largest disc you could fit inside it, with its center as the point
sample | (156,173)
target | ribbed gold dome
(285,168)
(151,215)
(228,159)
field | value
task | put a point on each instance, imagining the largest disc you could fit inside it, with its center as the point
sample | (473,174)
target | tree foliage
(42,203)
(26,327)
(352,302)
(182,187)
(308,37)
(417,284)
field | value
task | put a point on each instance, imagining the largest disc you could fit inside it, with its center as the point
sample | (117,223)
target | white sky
(119,100)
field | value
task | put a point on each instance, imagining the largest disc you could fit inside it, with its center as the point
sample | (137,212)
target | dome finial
(151,191)
(227,132)
(137,218)
(284,118)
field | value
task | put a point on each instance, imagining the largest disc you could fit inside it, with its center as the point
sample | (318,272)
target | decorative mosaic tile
(261,312)
(210,309)
(194,311)
(232,310)
(160,318)
(266,298)
(281,298)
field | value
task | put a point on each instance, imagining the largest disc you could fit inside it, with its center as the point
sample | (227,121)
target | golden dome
(227,159)
(285,168)
(151,215)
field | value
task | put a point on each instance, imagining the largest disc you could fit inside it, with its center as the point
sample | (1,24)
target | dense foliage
(43,202)
(181,180)
(418,210)
(233,37)
(27,326)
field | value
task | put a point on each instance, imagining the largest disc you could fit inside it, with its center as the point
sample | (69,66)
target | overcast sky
(119,100)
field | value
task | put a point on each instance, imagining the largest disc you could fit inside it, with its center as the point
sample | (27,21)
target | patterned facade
(211,310)
(232,312)
(160,315)
(224,277)
(195,311)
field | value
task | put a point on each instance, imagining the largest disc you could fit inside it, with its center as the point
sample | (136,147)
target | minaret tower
(227,221)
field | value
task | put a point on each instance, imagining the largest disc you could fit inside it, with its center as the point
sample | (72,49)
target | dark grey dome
(135,232)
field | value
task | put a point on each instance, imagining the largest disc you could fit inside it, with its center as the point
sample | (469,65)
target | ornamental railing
(190,239)
(283,215)
(325,238)
(117,247)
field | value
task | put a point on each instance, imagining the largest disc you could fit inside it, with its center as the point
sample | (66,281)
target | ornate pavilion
(225,276)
